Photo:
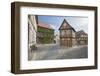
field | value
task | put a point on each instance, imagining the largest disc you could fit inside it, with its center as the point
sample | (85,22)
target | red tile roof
(43,25)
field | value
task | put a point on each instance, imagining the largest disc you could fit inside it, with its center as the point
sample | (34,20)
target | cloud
(56,31)
(78,23)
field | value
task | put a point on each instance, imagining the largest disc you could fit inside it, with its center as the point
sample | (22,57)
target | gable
(66,25)
(80,33)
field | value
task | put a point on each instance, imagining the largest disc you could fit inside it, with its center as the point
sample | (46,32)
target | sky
(77,22)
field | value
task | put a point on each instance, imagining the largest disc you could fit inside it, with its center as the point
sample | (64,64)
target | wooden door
(68,42)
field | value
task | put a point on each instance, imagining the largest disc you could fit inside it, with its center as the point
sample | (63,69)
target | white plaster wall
(32,30)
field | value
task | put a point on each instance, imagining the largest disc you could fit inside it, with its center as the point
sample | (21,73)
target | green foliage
(47,35)
(44,30)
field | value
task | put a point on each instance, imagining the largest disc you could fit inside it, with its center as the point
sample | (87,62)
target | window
(62,32)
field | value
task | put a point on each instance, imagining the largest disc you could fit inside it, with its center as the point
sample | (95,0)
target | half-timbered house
(81,38)
(67,34)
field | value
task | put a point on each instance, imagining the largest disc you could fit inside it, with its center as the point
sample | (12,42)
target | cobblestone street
(54,51)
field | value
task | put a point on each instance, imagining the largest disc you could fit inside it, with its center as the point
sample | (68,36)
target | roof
(43,25)
(68,25)
(78,33)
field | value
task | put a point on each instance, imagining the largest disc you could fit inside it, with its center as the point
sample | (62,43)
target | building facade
(67,34)
(69,37)
(82,38)
(56,38)
(45,33)
(32,29)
